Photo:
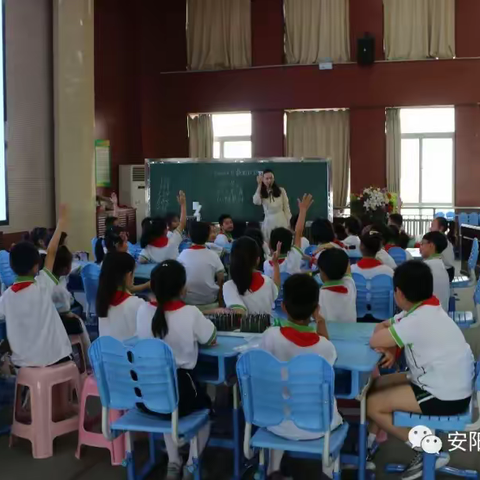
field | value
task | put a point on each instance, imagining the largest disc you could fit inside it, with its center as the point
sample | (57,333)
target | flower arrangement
(375,202)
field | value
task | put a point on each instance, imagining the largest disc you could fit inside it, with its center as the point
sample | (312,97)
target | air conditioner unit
(132,191)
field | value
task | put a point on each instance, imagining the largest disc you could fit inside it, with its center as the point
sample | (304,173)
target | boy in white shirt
(431,248)
(296,337)
(211,241)
(155,243)
(338,295)
(304,244)
(441,224)
(440,362)
(225,238)
(173,222)
(205,270)
(35,331)
(353,228)
(291,257)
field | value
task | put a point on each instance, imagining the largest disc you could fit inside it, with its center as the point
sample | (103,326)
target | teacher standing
(275,204)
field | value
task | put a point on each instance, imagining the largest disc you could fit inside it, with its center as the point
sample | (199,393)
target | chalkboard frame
(153,161)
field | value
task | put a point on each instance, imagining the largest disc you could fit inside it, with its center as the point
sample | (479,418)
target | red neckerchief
(339,243)
(336,289)
(301,339)
(119,298)
(280,261)
(159,242)
(17,287)
(366,263)
(173,305)
(257,282)
(198,247)
(153,302)
(388,246)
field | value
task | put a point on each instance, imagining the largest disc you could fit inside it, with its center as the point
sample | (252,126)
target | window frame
(223,140)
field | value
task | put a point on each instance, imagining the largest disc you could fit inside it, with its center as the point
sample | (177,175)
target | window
(232,134)
(426,178)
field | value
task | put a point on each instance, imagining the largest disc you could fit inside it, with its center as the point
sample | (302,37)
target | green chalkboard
(228,187)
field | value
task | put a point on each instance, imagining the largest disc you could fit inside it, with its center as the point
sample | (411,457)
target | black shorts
(451,273)
(430,405)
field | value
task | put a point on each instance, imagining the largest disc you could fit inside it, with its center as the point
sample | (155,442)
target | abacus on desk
(229,322)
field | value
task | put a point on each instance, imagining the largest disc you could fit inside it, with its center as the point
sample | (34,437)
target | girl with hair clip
(156,244)
(182,327)
(442,225)
(116,307)
(249,291)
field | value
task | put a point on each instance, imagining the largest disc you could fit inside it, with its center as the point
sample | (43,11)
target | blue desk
(415,253)
(144,270)
(351,331)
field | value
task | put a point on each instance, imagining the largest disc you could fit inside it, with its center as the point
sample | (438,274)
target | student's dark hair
(36,235)
(396,219)
(448,228)
(63,261)
(257,235)
(239,229)
(255,225)
(439,239)
(114,268)
(110,241)
(322,231)
(372,242)
(153,229)
(403,240)
(282,235)
(293,221)
(145,222)
(415,280)
(23,258)
(275,188)
(110,222)
(223,217)
(199,232)
(167,281)
(300,296)
(339,231)
(333,262)
(382,230)
(392,235)
(243,261)
(170,217)
(353,225)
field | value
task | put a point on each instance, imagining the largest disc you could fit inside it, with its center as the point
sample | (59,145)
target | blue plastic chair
(463,281)
(90,276)
(467,319)
(284,276)
(398,254)
(94,243)
(134,250)
(463,218)
(142,372)
(7,275)
(310,250)
(301,390)
(457,423)
(473,219)
(439,214)
(186,244)
(375,296)
(450,215)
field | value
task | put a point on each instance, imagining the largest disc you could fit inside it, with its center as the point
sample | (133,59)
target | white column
(74,117)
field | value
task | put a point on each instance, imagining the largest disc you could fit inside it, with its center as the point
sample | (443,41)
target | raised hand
(181,198)
(306,202)
(277,253)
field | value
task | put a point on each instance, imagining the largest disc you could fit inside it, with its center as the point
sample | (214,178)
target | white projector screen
(3,174)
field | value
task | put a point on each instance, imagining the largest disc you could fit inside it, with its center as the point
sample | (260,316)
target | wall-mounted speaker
(366,50)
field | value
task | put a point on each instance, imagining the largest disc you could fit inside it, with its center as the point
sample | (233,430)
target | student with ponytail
(183,327)
(116,307)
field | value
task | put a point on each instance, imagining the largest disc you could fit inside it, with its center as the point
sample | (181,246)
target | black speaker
(366,50)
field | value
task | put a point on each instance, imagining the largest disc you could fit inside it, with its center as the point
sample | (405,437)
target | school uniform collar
(434,256)
(173,305)
(281,259)
(366,263)
(339,243)
(431,302)
(119,297)
(228,235)
(159,242)
(197,247)
(300,335)
(257,282)
(21,283)
(336,286)
(388,246)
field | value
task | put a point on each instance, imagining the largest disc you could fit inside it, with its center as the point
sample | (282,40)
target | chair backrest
(473,258)
(142,372)
(439,214)
(463,218)
(450,215)
(186,244)
(134,250)
(283,277)
(90,276)
(310,250)
(473,218)
(94,244)
(374,296)
(300,390)
(7,275)
(398,254)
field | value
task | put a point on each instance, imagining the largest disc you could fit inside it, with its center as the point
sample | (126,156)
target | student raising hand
(303,205)
(182,200)
(55,240)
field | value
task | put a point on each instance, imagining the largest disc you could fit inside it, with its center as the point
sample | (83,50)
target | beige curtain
(394,150)
(418,29)
(323,134)
(317,29)
(200,131)
(218,34)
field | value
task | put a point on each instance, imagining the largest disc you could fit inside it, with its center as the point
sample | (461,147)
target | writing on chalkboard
(229,192)
(163,196)
(236,173)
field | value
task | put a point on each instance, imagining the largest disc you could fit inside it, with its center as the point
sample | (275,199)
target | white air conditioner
(132,191)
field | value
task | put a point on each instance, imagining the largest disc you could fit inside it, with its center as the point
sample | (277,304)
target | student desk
(143,271)
(216,365)
(415,253)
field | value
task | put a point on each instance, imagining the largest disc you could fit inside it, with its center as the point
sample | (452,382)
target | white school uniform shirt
(187,327)
(371,267)
(169,236)
(337,300)
(163,249)
(291,264)
(120,323)
(202,265)
(61,297)
(284,349)
(215,248)
(441,281)
(448,256)
(439,359)
(305,244)
(36,334)
(258,299)
(386,259)
(223,239)
(352,241)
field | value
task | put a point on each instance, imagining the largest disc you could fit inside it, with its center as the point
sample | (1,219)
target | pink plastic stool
(117,447)
(43,429)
